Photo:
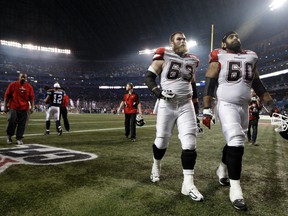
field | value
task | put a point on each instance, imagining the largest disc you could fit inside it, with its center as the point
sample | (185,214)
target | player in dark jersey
(54,99)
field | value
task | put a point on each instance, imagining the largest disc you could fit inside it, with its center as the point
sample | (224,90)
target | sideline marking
(37,154)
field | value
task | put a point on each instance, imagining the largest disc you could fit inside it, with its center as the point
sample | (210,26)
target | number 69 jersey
(178,71)
(235,75)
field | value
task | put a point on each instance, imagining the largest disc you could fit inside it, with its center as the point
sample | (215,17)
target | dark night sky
(106,29)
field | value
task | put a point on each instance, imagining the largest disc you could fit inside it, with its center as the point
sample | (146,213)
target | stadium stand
(82,78)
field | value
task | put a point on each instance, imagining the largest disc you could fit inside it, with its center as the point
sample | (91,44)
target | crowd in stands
(81,79)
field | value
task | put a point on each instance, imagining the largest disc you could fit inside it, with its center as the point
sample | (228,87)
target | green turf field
(117,181)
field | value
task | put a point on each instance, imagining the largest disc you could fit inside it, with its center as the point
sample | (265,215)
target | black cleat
(222,176)
(239,204)
(60,131)
(224,181)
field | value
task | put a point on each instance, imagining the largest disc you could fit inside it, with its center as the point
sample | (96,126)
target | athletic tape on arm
(210,86)
(258,87)
(150,80)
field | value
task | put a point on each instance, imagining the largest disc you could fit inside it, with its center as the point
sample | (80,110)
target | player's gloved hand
(167,94)
(208,116)
(199,128)
(164,94)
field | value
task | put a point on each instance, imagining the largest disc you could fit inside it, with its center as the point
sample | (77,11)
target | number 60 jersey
(236,73)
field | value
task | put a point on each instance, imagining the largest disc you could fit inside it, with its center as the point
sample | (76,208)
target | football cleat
(20,142)
(60,131)
(240,204)
(155,173)
(47,132)
(222,174)
(9,140)
(236,197)
(192,192)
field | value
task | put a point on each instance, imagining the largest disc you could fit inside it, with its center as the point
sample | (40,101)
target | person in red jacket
(18,101)
(64,112)
(131,106)
(254,111)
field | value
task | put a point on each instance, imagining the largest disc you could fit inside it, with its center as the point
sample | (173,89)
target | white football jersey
(178,72)
(235,76)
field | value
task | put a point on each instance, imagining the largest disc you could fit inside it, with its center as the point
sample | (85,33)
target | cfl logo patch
(36,154)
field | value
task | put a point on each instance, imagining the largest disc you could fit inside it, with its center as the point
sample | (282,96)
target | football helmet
(282,122)
(139,120)
(56,85)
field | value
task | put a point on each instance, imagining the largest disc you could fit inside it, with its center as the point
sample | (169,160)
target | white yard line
(82,131)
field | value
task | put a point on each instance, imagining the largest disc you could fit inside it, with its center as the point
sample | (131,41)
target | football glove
(163,94)
(167,94)
(207,117)
(199,128)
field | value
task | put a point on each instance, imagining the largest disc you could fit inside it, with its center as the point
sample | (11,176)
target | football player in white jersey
(177,106)
(232,72)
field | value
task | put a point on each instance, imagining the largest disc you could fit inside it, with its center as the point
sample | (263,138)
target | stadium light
(34,47)
(191,43)
(276,4)
(277,73)
(146,51)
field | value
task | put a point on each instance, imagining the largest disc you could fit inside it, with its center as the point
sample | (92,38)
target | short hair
(226,35)
(173,34)
(23,74)
(130,84)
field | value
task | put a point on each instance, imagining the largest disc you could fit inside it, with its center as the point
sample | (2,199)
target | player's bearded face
(234,45)
(179,44)
(182,48)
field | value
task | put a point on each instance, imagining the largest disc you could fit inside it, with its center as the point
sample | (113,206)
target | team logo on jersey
(36,154)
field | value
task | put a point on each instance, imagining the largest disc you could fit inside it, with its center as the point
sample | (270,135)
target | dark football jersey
(56,97)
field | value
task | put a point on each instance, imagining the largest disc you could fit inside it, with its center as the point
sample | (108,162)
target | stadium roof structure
(105,29)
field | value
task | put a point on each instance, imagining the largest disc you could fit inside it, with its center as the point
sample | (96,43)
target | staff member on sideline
(131,105)
(18,100)
(64,112)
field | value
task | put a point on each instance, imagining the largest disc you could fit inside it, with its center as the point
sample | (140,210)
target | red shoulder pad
(159,54)
(196,58)
(249,52)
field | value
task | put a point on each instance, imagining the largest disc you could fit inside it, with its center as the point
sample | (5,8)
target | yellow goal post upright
(212,37)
